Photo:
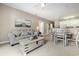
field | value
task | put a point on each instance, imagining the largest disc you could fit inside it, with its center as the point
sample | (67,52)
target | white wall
(57,24)
(41,25)
(73,22)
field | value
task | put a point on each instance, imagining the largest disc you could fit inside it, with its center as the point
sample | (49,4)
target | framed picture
(23,23)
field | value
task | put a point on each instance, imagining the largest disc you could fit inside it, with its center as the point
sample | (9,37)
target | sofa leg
(14,44)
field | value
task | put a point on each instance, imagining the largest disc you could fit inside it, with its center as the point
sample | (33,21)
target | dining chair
(60,34)
(77,39)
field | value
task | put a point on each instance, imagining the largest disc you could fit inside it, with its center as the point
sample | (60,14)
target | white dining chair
(60,34)
(77,39)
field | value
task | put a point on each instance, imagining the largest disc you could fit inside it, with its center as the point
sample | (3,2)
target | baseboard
(4,42)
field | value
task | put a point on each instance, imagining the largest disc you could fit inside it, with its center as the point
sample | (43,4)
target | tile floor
(49,49)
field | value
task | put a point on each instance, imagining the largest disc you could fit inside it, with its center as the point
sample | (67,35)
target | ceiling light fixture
(43,4)
(69,17)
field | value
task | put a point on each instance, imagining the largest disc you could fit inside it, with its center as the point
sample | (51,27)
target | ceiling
(51,11)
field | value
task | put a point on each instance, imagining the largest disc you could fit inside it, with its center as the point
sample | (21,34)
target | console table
(30,45)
